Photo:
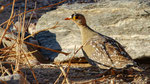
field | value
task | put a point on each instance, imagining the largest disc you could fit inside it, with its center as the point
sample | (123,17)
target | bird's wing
(107,51)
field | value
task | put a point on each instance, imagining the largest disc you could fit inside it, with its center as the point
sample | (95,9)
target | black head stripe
(72,15)
(75,15)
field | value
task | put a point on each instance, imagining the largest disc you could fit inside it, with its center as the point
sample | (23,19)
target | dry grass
(16,50)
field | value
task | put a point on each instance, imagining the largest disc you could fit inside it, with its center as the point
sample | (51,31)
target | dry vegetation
(15,53)
(15,48)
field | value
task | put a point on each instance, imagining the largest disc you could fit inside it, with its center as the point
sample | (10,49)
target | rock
(13,79)
(122,20)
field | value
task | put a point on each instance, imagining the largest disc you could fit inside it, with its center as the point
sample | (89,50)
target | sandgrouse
(101,50)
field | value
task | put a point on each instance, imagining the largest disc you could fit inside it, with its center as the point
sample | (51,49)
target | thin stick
(22,41)
(12,67)
(13,55)
(10,49)
(3,49)
(3,74)
(23,26)
(55,26)
(42,47)
(6,70)
(9,20)
(30,68)
(65,76)
(46,48)
(58,78)
(32,14)
(1,67)
(69,64)
(18,46)
(8,4)
(75,52)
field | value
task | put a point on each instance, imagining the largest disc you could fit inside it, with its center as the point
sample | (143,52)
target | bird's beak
(67,18)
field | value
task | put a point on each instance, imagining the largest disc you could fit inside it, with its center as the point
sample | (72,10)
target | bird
(100,50)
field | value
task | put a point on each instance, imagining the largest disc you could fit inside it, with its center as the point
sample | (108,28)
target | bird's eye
(77,17)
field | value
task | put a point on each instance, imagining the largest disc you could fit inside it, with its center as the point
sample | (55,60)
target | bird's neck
(86,33)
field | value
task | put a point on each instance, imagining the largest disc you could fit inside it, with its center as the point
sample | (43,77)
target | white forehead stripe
(72,15)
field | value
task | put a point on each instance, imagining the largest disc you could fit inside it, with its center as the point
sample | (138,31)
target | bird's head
(77,18)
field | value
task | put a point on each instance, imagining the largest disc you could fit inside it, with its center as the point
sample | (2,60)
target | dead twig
(31,68)
(46,48)
(69,63)
(3,6)
(6,70)
(55,26)
(9,22)
(41,47)
(58,78)
(65,76)
(75,52)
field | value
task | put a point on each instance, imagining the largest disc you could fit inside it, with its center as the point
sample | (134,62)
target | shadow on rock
(48,40)
(143,60)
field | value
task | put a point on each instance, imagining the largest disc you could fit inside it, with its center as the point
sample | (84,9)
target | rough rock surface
(125,21)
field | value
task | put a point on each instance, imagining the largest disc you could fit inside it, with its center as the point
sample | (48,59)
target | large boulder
(125,21)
